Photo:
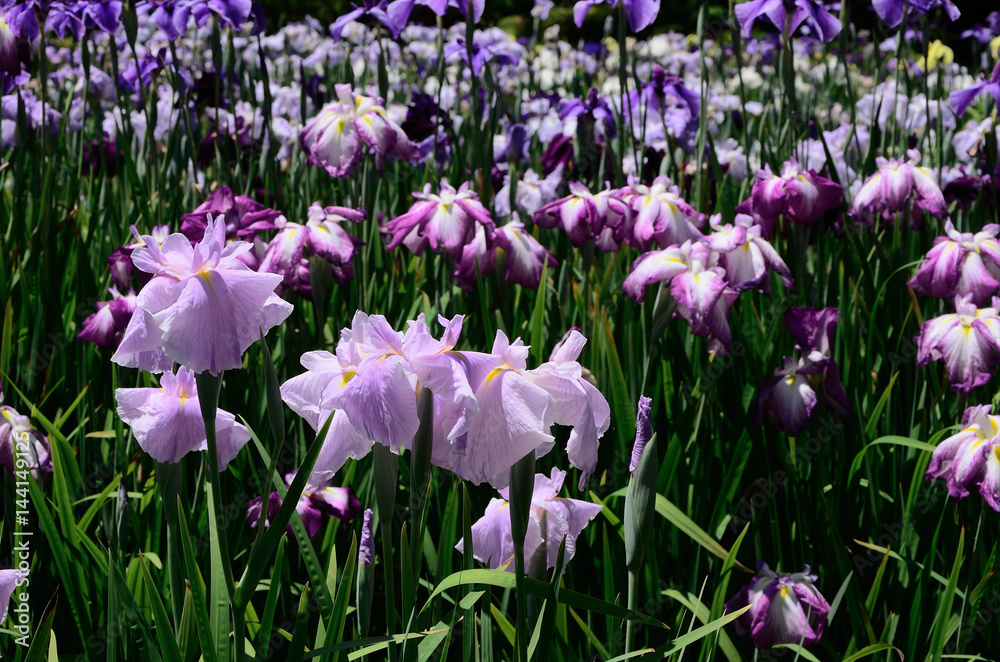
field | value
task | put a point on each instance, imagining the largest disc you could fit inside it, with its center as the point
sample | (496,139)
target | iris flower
(315,503)
(791,397)
(659,216)
(584,215)
(968,341)
(19,440)
(393,15)
(960,100)
(244,216)
(18,29)
(971,457)
(167,421)
(961,263)
(564,519)
(693,258)
(322,235)
(745,255)
(895,184)
(525,257)
(812,13)
(517,408)
(335,138)
(445,222)
(640,13)
(203,307)
(785,608)
(801,196)
(372,382)
(531,193)
(891,11)
(106,327)
(9,580)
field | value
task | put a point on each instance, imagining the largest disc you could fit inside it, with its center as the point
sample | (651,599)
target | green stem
(208,397)
(386,467)
(522,478)
(633,604)
(168,477)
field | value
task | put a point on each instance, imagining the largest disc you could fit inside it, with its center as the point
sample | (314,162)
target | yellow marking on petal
(784,592)
(995,47)
(996,452)
(493,375)
(347,376)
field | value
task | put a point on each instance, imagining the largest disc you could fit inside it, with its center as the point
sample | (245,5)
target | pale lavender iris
(525,257)
(9,580)
(970,458)
(445,222)
(746,256)
(564,519)
(812,13)
(961,263)
(967,341)
(800,196)
(372,382)
(640,13)
(517,408)
(660,217)
(20,441)
(784,608)
(336,137)
(894,186)
(203,307)
(322,235)
(531,193)
(167,421)
(315,503)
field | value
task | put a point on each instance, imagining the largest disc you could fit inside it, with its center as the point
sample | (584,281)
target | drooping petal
(380,401)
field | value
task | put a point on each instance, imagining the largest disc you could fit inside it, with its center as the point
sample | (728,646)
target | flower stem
(386,469)
(522,479)
(208,397)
